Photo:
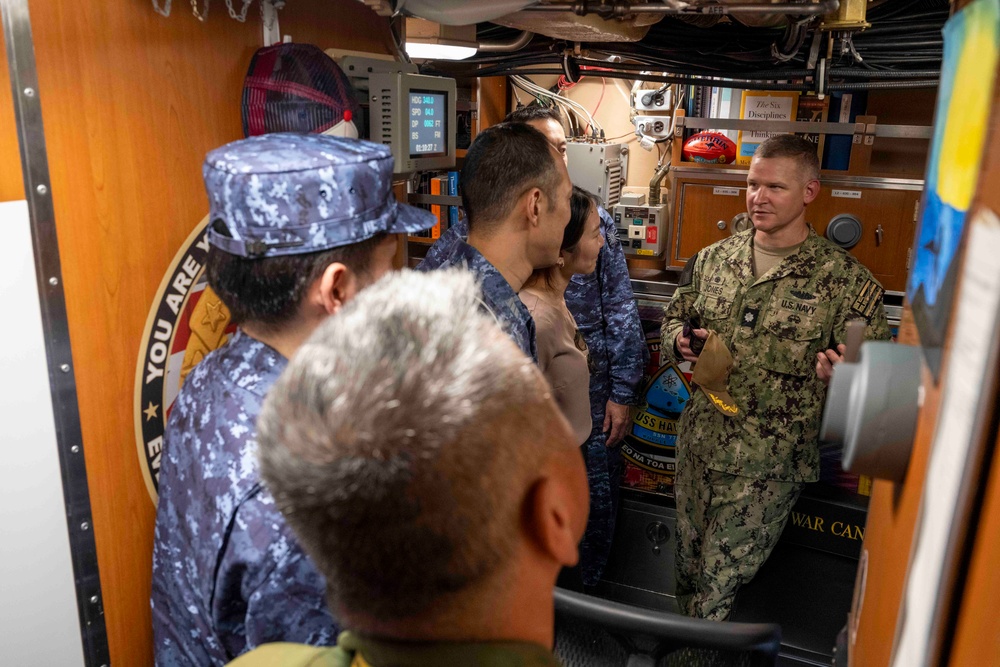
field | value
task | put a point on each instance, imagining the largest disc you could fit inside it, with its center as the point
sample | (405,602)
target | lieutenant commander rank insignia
(186,321)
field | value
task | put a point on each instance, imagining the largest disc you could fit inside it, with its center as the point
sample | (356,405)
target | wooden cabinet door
(700,208)
(891,212)
(703,213)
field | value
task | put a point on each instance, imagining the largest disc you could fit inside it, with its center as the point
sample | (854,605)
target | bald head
(402,441)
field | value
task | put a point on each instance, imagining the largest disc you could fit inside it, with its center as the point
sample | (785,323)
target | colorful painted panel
(971,48)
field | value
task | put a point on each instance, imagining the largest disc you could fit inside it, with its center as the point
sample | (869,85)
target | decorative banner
(648,448)
(186,321)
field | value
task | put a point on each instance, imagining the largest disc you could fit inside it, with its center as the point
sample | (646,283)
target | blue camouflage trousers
(727,526)
(604,472)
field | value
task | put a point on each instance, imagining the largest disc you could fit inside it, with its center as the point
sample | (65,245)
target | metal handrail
(874,129)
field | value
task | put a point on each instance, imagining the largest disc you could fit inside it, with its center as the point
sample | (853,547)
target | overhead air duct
(449,12)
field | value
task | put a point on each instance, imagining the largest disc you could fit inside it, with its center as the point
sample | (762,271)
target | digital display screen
(428,123)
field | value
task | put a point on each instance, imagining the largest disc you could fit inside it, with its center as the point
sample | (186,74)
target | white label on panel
(846,194)
(732,192)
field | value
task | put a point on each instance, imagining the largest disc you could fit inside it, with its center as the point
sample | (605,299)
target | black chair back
(592,632)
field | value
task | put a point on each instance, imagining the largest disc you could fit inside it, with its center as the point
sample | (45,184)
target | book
(844,108)
(762,105)
(439,185)
(726,109)
(453,192)
(814,110)
(716,99)
(422,186)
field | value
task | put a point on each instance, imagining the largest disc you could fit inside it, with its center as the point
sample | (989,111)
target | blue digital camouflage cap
(288,194)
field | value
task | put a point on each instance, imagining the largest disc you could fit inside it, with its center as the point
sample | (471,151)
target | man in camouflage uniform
(779,296)
(516,192)
(298,224)
(603,305)
(440,493)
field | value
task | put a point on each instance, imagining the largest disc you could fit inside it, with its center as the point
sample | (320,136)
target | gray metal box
(598,168)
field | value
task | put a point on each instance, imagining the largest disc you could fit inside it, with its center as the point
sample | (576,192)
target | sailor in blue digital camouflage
(603,305)
(498,295)
(779,297)
(298,224)
(516,192)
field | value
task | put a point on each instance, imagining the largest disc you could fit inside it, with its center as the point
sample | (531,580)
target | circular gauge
(740,223)
(844,230)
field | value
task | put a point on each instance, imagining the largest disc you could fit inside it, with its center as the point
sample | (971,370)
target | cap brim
(410,219)
(722,401)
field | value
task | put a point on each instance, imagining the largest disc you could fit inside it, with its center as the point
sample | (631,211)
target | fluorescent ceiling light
(439,51)
(432,41)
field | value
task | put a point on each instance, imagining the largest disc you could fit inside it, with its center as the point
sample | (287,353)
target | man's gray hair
(395,443)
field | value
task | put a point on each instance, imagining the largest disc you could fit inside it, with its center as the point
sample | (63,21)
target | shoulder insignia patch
(687,275)
(868,299)
(612,235)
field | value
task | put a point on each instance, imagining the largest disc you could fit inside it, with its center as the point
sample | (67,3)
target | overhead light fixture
(432,41)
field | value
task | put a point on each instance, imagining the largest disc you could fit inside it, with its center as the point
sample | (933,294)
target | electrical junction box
(652,100)
(643,230)
(653,126)
(599,169)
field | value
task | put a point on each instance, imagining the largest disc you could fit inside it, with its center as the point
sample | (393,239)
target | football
(709,147)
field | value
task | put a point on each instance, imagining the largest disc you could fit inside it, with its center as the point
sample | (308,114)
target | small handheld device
(855,337)
(696,344)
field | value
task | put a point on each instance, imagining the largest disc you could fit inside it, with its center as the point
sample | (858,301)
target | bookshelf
(863,133)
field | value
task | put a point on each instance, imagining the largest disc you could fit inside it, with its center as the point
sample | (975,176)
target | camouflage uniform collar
(255,355)
(369,651)
(800,263)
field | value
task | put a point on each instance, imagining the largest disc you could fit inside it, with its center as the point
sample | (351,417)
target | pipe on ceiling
(622,8)
(515,44)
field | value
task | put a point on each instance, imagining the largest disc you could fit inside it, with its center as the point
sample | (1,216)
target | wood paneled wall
(11,184)
(977,631)
(131,102)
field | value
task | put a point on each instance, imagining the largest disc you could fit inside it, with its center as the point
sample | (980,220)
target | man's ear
(811,191)
(335,287)
(551,524)
(533,203)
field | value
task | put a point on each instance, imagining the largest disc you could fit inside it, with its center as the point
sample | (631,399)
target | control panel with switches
(642,229)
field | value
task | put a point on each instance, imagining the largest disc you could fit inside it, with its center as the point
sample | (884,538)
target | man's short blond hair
(794,147)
